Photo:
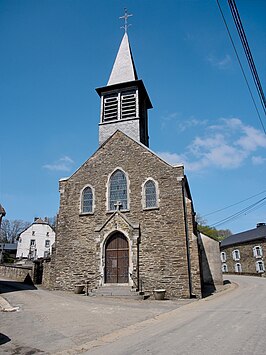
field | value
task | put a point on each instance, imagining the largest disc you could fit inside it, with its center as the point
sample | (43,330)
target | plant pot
(159,294)
(79,289)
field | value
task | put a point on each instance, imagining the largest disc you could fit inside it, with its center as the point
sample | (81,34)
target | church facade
(126,216)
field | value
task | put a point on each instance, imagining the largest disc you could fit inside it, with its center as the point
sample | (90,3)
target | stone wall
(157,237)
(247,259)
(22,274)
(210,261)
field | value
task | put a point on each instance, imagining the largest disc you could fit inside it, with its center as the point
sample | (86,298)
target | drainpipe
(187,241)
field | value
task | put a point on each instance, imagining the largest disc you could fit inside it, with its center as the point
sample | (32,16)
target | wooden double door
(116,259)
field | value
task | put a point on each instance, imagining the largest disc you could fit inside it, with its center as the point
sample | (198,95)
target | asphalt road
(230,322)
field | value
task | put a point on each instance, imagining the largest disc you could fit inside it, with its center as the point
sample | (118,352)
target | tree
(218,234)
(10,229)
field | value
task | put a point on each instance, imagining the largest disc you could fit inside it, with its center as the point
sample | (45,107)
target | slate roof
(247,236)
(124,68)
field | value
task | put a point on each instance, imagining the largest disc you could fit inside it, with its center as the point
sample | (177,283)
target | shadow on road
(13,286)
(4,339)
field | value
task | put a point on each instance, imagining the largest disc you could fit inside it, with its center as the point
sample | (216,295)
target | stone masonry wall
(22,274)
(161,243)
(247,259)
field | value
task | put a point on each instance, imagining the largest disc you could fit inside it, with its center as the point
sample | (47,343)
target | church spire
(124,100)
(124,68)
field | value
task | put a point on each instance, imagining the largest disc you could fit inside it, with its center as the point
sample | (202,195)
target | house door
(116,259)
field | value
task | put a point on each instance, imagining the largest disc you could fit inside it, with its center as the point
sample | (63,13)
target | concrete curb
(5,306)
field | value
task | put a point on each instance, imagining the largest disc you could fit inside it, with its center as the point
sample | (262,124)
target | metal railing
(138,282)
(89,281)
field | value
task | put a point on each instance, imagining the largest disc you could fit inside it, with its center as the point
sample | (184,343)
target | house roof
(247,236)
(124,68)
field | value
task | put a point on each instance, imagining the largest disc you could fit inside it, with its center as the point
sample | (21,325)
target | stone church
(126,216)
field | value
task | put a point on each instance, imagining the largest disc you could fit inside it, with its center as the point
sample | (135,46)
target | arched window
(257,251)
(238,267)
(236,254)
(260,266)
(224,268)
(87,200)
(223,256)
(150,194)
(118,191)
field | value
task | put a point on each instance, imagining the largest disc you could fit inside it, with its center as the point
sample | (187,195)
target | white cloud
(221,63)
(258,160)
(226,145)
(181,124)
(63,164)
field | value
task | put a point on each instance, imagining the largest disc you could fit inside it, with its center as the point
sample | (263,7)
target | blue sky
(54,53)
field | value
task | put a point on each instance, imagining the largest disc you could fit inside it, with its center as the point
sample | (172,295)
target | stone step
(116,291)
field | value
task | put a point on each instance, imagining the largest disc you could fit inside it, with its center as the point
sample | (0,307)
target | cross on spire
(125,17)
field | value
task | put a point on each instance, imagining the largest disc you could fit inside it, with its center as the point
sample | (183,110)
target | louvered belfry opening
(110,108)
(126,101)
(128,104)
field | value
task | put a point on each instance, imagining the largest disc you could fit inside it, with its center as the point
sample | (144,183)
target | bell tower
(124,100)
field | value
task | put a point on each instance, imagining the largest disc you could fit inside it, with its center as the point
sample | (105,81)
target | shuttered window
(128,104)
(110,108)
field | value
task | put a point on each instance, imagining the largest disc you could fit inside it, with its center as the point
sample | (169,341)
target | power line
(242,69)
(248,53)
(234,204)
(244,211)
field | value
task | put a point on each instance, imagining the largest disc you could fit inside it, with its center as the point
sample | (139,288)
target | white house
(36,241)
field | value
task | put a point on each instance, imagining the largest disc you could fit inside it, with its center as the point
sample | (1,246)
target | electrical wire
(242,69)
(244,211)
(248,53)
(234,204)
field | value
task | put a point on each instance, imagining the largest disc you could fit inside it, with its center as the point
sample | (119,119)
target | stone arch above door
(115,223)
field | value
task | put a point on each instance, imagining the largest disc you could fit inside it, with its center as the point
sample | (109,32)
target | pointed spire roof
(123,69)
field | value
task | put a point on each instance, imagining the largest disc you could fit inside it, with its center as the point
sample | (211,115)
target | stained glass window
(87,200)
(150,194)
(118,191)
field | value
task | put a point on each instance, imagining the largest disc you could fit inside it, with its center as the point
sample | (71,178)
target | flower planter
(79,289)
(159,294)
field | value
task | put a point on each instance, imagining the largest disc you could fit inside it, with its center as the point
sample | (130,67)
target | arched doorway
(116,259)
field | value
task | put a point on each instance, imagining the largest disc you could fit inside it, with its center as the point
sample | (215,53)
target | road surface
(230,322)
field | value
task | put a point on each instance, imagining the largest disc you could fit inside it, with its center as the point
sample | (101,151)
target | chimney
(261,224)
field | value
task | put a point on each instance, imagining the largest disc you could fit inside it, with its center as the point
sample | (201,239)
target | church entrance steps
(117,291)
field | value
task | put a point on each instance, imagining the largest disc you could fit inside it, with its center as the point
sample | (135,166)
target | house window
(32,242)
(87,200)
(118,191)
(238,267)
(150,194)
(128,104)
(257,251)
(33,233)
(224,268)
(47,234)
(110,108)
(236,254)
(223,256)
(260,266)
(47,243)
(46,254)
